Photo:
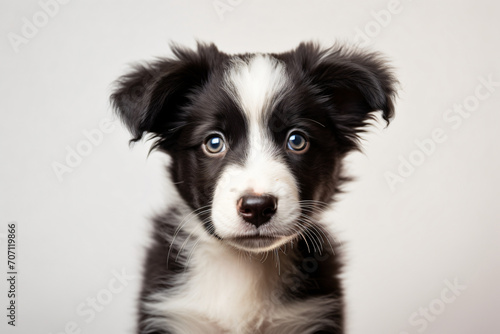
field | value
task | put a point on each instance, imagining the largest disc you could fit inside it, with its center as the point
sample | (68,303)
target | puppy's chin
(258,244)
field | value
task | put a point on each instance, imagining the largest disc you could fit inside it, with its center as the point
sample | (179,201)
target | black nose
(257,210)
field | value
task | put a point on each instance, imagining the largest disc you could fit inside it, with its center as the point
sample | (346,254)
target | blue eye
(297,142)
(215,144)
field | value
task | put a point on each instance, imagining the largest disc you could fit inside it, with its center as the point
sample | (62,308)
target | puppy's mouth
(259,243)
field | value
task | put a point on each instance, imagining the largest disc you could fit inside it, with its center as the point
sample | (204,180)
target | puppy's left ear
(356,84)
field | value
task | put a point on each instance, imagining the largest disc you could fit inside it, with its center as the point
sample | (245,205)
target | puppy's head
(256,140)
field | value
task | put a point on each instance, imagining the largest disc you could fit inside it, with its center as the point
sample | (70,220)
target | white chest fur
(225,291)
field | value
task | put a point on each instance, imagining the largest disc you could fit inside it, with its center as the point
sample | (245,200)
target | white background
(440,224)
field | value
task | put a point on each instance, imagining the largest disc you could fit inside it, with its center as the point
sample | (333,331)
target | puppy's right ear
(151,97)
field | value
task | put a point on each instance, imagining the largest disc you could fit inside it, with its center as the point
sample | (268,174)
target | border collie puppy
(256,144)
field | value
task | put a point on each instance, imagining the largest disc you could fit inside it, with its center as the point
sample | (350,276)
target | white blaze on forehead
(256,83)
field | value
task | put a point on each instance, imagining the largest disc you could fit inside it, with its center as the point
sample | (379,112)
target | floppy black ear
(354,83)
(150,98)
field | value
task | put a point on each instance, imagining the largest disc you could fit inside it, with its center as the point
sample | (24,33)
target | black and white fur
(208,269)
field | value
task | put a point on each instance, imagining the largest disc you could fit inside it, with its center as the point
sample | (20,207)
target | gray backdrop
(419,225)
